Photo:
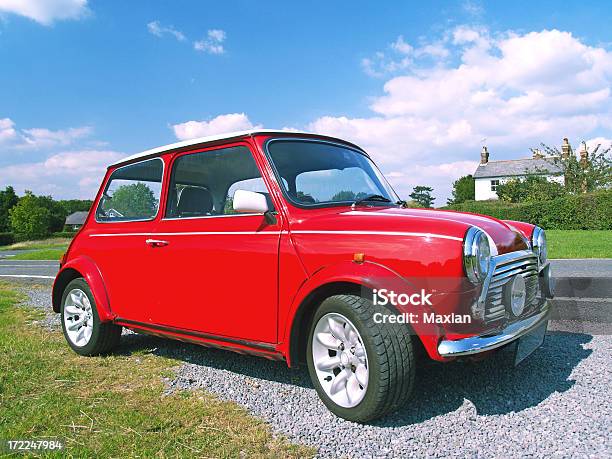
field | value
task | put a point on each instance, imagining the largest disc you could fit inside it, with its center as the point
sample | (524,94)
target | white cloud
(158,30)
(603,142)
(46,11)
(223,123)
(515,90)
(36,138)
(69,175)
(7,130)
(213,43)
(41,137)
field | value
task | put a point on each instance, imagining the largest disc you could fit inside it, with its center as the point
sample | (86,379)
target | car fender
(83,266)
(368,275)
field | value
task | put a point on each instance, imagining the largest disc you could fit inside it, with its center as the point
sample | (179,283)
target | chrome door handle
(156,243)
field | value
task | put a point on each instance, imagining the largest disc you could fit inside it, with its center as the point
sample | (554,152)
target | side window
(132,193)
(203,184)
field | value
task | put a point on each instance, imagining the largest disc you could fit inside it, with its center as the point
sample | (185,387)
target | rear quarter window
(132,193)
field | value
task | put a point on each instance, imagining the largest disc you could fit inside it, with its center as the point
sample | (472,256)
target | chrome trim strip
(380,233)
(161,189)
(483,343)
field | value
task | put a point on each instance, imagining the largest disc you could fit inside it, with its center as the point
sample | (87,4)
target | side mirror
(249,202)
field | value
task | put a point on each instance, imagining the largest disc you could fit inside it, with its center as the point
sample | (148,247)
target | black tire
(105,335)
(390,354)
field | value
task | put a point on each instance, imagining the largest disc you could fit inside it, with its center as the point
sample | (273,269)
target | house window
(494,185)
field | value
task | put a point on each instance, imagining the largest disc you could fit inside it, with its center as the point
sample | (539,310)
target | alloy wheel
(340,360)
(78,317)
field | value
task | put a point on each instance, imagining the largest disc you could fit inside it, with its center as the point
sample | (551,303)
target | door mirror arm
(270,217)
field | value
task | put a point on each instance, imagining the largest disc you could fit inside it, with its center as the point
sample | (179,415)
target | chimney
(537,153)
(584,155)
(565,149)
(484,155)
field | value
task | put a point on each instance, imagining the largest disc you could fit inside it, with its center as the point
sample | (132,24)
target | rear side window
(132,193)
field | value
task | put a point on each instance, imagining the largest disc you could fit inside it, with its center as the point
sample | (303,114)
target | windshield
(319,173)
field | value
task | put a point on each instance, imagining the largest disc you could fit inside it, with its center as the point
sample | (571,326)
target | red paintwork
(244,291)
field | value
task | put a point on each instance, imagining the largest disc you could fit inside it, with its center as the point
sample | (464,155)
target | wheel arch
(86,268)
(343,278)
(303,316)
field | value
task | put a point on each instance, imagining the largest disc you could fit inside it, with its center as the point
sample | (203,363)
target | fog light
(547,282)
(516,294)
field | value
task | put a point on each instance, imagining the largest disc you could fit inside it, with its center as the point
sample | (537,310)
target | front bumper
(483,343)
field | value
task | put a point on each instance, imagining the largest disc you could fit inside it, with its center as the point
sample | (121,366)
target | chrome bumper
(483,343)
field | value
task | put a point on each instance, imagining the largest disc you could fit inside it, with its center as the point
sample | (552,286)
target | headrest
(194,202)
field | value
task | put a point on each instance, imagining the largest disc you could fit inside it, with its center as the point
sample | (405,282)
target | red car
(293,246)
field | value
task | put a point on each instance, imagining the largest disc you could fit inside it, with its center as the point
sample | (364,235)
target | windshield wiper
(371,197)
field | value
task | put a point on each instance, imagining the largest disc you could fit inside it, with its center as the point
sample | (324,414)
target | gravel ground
(557,403)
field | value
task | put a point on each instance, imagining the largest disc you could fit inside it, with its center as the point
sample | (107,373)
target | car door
(117,241)
(218,273)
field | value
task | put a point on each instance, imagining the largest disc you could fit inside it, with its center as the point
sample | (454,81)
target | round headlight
(538,242)
(476,255)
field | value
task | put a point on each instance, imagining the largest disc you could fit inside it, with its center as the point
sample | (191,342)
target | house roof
(214,138)
(77,218)
(517,167)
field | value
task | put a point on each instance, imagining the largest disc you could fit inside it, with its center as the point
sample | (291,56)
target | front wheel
(81,325)
(361,370)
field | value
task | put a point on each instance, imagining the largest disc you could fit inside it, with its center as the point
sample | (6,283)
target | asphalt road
(41,270)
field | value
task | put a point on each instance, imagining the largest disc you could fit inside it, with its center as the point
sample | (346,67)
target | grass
(53,243)
(44,254)
(113,406)
(579,244)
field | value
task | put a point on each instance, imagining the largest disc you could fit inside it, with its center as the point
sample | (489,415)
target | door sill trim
(164,328)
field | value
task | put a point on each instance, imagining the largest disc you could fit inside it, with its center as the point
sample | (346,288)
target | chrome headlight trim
(476,255)
(539,245)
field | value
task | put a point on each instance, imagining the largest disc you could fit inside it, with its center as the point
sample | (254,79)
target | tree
(533,188)
(56,211)
(30,219)
(422,195)
(71,206)
(8,199)
(463,190)
(348,195)
(136,200)
(586,173)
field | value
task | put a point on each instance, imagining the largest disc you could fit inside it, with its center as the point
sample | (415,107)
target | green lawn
(113,406)
(44,254)
(579,244)
(53,243)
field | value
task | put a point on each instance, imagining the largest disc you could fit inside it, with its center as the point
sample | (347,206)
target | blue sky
(418,84)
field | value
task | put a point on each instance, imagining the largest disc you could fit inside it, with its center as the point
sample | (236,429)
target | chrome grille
(505,269)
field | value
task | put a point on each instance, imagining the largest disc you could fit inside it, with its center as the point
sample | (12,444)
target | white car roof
(203,140)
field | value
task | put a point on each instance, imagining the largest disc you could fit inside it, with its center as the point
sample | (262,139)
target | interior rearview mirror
(249,202)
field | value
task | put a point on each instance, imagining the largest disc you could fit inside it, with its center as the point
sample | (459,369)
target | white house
(489,174)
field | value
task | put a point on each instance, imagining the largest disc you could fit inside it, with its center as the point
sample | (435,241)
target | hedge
(66,234)
(592,211)
(6,238)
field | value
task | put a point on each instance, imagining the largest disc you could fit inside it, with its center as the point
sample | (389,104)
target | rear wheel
(361,370)
(81,324)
